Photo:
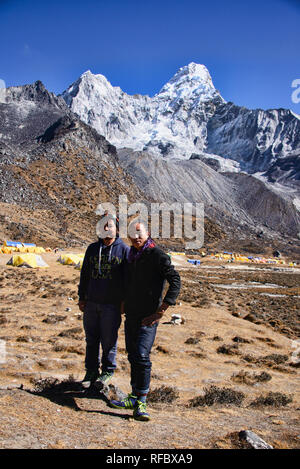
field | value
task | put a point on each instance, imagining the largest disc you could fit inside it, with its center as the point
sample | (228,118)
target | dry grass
(205,372)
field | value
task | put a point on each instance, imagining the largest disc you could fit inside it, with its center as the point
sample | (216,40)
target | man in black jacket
(147,270)
(101,292)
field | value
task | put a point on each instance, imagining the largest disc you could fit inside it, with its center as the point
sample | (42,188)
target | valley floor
(237,351)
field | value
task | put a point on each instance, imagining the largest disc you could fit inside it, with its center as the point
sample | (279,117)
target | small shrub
(263,377)
(275,358)
(68,348)
(214,395)
(275,399)
(246,378)
(54,319)
(161,349)
(192,340)
(71,333)
(241,340)
(217,338)
(163,394)
(228,349)
(268,360)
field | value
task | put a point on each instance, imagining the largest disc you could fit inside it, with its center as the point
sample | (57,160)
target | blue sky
(250,48)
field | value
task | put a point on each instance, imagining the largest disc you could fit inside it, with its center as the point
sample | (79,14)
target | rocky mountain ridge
(189,117)
(54,169)
(57,169)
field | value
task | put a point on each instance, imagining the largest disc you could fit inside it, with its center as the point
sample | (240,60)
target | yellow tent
(39,250)
(79,265)
(14,246)
(11,244)
(70,258)
(27,260)
(7,250)
(21,249)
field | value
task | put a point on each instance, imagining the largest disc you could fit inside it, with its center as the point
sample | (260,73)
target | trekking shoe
(140,412)
(89,379)
(103,379)
(128,403)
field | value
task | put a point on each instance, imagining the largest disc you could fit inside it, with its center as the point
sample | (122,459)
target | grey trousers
(101,323)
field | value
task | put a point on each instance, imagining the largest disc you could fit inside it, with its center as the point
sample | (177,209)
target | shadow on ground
(65,393)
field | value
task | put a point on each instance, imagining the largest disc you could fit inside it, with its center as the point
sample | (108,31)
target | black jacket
(145,280)
(103,283)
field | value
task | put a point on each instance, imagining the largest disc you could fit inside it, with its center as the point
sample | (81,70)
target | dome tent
(27,260)
(70,258)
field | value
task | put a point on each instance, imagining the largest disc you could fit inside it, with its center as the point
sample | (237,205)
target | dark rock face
(189,117)
(284,170)
(50,159)
(257,139)
(29,110)
(239,202)
(215,164)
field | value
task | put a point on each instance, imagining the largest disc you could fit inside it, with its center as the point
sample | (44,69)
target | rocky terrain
(231,365)
(240,203)
(187,143)
(55,169)
(188,116)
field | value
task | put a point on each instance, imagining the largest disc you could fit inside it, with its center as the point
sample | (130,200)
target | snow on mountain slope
(254,138)
(188,117)
(172,123)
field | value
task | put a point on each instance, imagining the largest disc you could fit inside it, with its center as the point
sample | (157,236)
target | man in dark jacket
(147,270)
(101,291)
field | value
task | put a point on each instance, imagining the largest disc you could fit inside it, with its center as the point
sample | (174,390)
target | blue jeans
(101,323)
(139,340)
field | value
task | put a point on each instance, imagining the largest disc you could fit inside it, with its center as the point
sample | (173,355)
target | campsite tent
(27,260)
(70,258)
(34,249)
(7,250)
(79,264)
(16,246)
(13,244)
(194,261)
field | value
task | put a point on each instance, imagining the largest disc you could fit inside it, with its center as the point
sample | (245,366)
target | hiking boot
(128,403)
(89,379)
(140,412)
(103,379)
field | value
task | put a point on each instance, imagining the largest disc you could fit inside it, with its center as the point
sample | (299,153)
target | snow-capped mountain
(172,123)
(189,118)
(49,158)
